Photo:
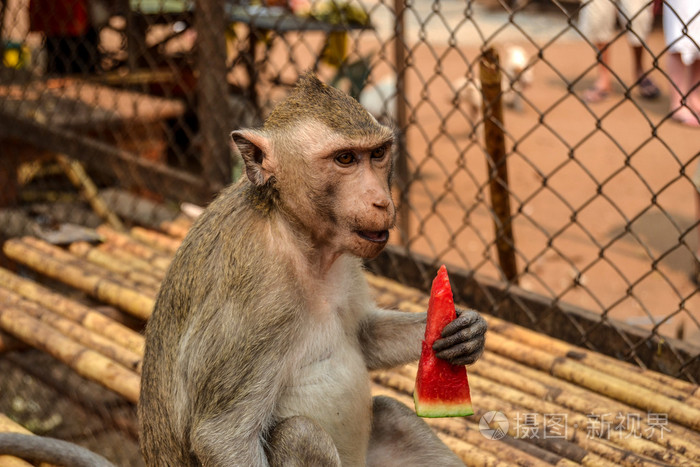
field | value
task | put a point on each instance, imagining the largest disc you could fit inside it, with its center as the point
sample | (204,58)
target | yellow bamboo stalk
(602,383)
(395,288)
(663,384)
(59,254)
(86,362)
(471,454)
(134,262)
(9,426)
(73,330)
(623,437)
(105,260)
(516,399)
(457,428)
(601,365)
(130,244)
(600,451)
(81,180)
(540,384)
(174,228)
(102,288)
(73,310)
(155,239)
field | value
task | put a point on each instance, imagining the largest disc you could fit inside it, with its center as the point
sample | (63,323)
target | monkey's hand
(463,339)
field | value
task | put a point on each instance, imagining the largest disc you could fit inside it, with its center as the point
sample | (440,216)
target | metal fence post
(212,93)
(402,173)
(494,140)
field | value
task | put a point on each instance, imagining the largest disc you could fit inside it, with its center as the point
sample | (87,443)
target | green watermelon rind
(441,409)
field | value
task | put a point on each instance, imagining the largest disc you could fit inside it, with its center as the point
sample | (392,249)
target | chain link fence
(551,171)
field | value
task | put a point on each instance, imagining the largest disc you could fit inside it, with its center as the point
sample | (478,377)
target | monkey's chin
(370,243)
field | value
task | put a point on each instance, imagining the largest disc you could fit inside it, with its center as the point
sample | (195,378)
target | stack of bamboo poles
(562,405)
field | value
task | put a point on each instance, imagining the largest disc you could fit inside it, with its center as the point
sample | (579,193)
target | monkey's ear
(256,153)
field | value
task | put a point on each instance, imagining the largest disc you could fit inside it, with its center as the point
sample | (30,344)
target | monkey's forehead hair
(313,99)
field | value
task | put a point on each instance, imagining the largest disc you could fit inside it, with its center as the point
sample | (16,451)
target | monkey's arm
(392,338)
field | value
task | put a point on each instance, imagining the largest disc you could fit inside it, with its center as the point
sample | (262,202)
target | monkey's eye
(345,158)
(378,153)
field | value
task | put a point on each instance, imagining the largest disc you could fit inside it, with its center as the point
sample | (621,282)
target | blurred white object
(380,99)
(517,77)
(191,210)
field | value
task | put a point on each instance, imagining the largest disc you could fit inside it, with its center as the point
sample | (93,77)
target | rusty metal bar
(402,172)
(213,109)
(494,140)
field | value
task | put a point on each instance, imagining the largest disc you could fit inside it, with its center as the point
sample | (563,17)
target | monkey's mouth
(378,236)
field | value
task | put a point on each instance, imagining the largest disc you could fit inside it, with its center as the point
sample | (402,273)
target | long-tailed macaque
(264,331)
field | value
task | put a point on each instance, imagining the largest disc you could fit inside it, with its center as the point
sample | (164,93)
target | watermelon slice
(442,389)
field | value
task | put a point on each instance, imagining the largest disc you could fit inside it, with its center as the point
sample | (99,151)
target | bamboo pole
(134,261)
(177,228)
(73,310)
(73,330)
(59,254)
(608,385)
(86,362)
(80,179)
(130,244)
(155,239)
(102,288)
(540,384)
(636,395)
(601,451)
(8,426)
(458,428)
(671,387)
(103,259)
(581,422)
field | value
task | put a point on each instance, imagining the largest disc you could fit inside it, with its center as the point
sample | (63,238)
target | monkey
(263,333)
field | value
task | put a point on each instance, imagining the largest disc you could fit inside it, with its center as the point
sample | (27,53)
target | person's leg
(694,91)
(647,88)
(638,13)
(597,22)
(603,83)
(680,77)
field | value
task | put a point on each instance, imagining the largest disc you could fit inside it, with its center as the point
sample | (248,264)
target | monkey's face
(340,191)
(364,207)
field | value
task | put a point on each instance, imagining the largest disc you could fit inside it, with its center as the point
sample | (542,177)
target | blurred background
(573,215)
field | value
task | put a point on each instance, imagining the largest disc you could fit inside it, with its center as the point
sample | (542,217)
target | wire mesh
(601,186)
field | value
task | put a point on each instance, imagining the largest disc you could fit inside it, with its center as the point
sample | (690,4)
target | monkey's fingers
(463,339)
(465,319)
(463,353)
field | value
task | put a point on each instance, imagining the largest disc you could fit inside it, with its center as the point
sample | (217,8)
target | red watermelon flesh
(442,389)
